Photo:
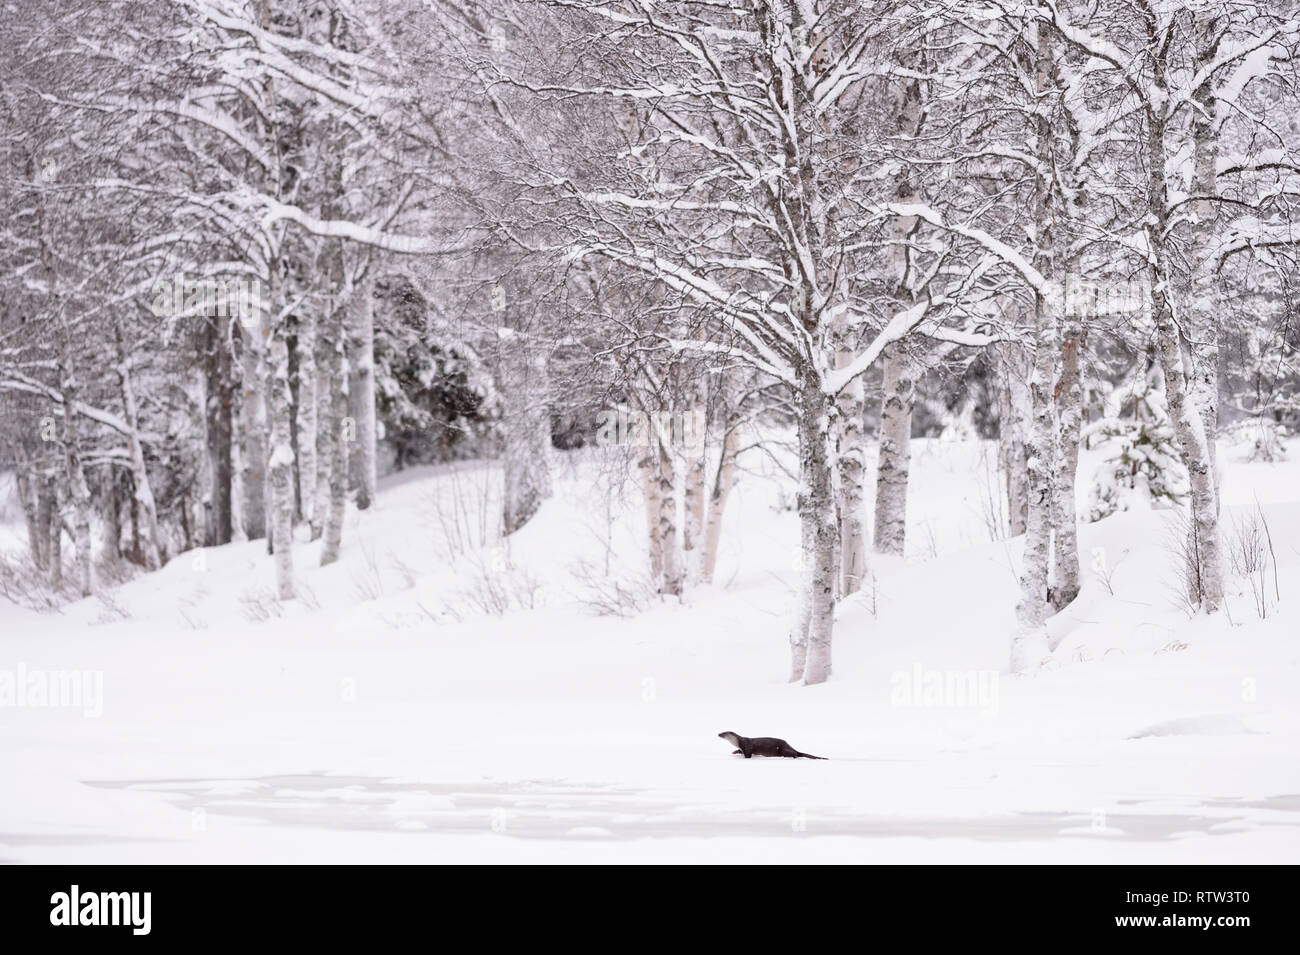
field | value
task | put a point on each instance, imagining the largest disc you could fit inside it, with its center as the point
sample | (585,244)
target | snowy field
(436,697)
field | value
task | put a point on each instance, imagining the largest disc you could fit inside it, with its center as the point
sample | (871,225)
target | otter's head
(730,737)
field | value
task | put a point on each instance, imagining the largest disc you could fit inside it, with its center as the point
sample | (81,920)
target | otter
(764,746)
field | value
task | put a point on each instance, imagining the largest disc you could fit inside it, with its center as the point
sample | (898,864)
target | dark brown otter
(764,746)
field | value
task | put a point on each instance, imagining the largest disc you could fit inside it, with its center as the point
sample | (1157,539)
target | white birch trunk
(78,489)
(54,532)
(112,515)
(361,391)
(527,430)
(851,460)
(695,452)
(1029,644)
(723,481)
(1013,410)
(308,417)
(1206,585)
(671,557)
(803,608)
(143,489)
(1069,393)
(237,532)
(219,424)
(893,470)
(327,428)
(280,464)
(817,501)
(28,482)
(335,440)
(1204,306)
(648,465)
(252,432)
(1189,423)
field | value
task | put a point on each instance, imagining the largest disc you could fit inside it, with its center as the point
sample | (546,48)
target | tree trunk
(1189,427)
(1189,424)
(723,481)
(293,345)
(252,431)
(1204,309)
(280,464)
(1013,404)
(817,501)
(361,391)
(527,424)
(140,475)
(307,416)
(237,469)
(112,515)
(137,549)
(78,489)
(851,460)
(695,449)
(335,487)
(1069,394)
(893,471)
(1069,391)
(801,624)
(327,428)
(218,415)
(1029,645)
(672,559)
(53,520)
(648,464)
(187,527)
(28,483)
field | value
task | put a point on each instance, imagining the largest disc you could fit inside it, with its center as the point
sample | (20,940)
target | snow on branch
(14,381)
(357,232)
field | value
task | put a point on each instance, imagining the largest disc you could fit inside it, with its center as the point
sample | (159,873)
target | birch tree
(748,142)
(1176,74)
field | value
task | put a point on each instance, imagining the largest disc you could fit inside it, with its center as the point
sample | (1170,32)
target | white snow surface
(392,714)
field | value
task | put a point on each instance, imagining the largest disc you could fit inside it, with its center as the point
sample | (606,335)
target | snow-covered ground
(436,697)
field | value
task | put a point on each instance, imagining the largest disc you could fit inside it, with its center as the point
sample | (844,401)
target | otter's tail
(798,754)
